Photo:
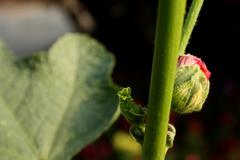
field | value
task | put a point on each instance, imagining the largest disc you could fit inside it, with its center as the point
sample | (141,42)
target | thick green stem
(167,40)
(189,24)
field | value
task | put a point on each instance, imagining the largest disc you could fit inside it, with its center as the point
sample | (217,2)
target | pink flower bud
(191,85)
(189,60)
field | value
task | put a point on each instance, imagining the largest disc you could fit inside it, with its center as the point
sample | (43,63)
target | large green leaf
(52,105)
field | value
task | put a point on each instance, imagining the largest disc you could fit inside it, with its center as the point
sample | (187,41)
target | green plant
(53,104)
(183,92)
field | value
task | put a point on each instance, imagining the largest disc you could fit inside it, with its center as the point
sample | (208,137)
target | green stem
(189,24)
(167,39)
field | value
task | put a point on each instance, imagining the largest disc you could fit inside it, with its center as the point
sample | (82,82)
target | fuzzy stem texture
(167,40)
(189,24)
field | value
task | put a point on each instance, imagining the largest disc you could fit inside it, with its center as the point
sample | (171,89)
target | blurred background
(126,27)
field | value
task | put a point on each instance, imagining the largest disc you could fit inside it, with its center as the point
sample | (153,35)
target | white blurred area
(32,26)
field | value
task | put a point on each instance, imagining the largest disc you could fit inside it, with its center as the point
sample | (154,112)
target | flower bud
(191,85)
(137,131)
(170,135)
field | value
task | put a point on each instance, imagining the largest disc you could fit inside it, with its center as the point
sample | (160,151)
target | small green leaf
(52,105)
(131,111)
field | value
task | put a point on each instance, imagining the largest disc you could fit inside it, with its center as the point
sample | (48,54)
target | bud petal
(189,60)
(191,85)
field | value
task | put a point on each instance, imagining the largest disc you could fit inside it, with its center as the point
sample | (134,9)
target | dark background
(127,29)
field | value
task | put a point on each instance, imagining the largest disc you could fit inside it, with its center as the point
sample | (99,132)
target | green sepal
(137,131)
(132,112)
(170,136)
(191,89)
(136,115)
